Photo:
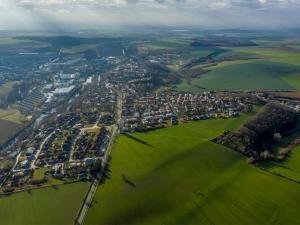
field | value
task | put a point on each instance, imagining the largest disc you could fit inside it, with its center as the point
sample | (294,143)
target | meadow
(247,76)
(280,59)
(13,41)
(12,115)
(6,88)
(8,130)
(289,167)
(57,205)
(79,48)
(177,176)
(11,121)
(169,43)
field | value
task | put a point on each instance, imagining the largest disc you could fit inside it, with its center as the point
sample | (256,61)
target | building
(64,91)
(65,76)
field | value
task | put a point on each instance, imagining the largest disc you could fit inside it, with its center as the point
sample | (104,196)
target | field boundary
(2,195)
(279,175)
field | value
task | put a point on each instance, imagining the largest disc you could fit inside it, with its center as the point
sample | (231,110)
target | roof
(64,90)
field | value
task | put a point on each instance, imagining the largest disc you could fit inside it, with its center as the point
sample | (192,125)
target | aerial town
(149,112)
(71,145)
(74,114)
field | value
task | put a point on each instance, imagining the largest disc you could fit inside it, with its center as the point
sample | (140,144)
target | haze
(89,14)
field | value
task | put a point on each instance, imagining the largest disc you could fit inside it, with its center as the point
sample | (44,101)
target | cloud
(71,14)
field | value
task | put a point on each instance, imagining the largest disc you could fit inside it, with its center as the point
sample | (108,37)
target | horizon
(117,14)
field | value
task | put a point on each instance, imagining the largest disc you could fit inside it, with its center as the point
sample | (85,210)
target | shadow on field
(127,181)
(138,140)
(106,171)
(55,187)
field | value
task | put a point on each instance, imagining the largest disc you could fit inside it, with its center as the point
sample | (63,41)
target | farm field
(6,88)
(185,58)
(169,44)
(247,76)
(12,115)
(8,129)
(187,85)
(14,41)
(57,205)
(79,48)
(11,121)
(276,55)
(177,176)
(290,167)
(280,62)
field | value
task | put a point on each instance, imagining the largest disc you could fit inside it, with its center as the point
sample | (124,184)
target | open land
(14,41)
(57,205)
(11,121)
(5,89)
(80,91)
(276,67)
(8,129)
(289,168)
(248,76)
(177,176)
(11,115)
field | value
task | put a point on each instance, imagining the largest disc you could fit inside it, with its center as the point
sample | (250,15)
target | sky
(93,14)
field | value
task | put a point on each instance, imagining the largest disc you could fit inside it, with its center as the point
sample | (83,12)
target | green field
(275,55)
(177,176)
(79,48)
(13,41)
(169,43)
(246,76)
(6,88)
(12,115)
(185,58)
(11,122)
(8,129)
(46,206)
(290,167)
(277,69)
(39,174)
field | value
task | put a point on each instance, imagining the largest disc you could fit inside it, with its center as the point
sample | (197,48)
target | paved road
(38,152)
(93,189)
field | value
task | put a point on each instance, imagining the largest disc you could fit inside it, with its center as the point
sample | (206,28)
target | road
(12,169)
(93,189)
(38,152)
(88,201)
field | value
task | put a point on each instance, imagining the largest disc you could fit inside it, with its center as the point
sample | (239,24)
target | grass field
(11,121)
(13,41)
(6,88)
(276,55)
(12,115)
(8,129)
(273,71)
(290,167)
(247,76)
(169,43)
(177,176)
(185,58)
(79,48)
(47,206)
(39,174)
(293,80)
